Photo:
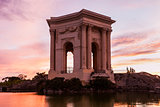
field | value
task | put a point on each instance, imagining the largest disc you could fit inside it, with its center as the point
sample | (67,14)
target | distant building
(83,33)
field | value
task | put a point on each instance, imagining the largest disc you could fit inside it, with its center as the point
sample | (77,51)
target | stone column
(52,56)
(89,46)
(83,45)
(109,49)
(103,49)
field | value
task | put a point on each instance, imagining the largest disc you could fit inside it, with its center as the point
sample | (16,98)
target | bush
(40,86)
(56,84)
(10,81)
(101,83)
(73,84)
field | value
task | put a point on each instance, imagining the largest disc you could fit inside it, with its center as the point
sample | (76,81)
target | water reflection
(22,100)
(92,100)
(79,100)
(137,98)
(105,100)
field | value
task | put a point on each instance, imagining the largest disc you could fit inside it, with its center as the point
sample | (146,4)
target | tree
(10,79)
(40,76)
(131,70)
(22,76)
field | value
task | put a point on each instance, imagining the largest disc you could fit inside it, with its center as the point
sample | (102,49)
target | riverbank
(125,82)
(137,82)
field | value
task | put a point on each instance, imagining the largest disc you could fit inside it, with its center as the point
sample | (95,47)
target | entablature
(78,16)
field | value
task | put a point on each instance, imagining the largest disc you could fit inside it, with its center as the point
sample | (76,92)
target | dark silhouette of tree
(10,79)
(131,70)
(40,76)
(22,76)
(101,83)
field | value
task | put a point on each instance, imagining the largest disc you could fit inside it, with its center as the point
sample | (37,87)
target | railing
(68,71)
(99,71)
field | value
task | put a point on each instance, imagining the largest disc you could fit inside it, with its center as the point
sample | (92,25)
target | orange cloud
(128,39)
(27,59)
(29,67)
(137,50)
(134,45)
(132,38)
(135,62)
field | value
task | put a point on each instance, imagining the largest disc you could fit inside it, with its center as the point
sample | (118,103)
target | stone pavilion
(88,36)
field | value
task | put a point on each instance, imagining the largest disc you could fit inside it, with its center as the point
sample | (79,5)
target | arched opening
(69,57)
(92,60)
(94,56)
(70,61)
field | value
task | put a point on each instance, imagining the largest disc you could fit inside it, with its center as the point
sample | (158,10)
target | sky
(24,33)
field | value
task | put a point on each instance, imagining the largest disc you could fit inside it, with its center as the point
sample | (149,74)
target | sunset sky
(24,33)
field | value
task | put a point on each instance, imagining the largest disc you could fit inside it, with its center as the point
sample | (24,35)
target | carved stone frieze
(94,39)
(68,29)
(95,30)
(68,39)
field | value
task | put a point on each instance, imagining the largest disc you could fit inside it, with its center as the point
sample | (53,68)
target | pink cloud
(25,9)
(136,61)
(27,59)
(11,8)
(132,38)
(28,66)
(38,49)
(135,44)
(136,4)
(129,38)
(35,50)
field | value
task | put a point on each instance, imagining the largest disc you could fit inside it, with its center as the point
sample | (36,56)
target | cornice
(79,15)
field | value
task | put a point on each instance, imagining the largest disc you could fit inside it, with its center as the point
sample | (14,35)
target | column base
(51,74)
(85,75)
(104,73)
(111,75)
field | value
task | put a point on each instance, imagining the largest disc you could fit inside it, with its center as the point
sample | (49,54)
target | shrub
(56,84)
(101,83)
(40,86)
(73,84)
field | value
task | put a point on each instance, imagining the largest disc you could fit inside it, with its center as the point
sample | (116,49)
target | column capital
(52,30)
(104,29)
(90,25)
(84,24)
(109,29)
